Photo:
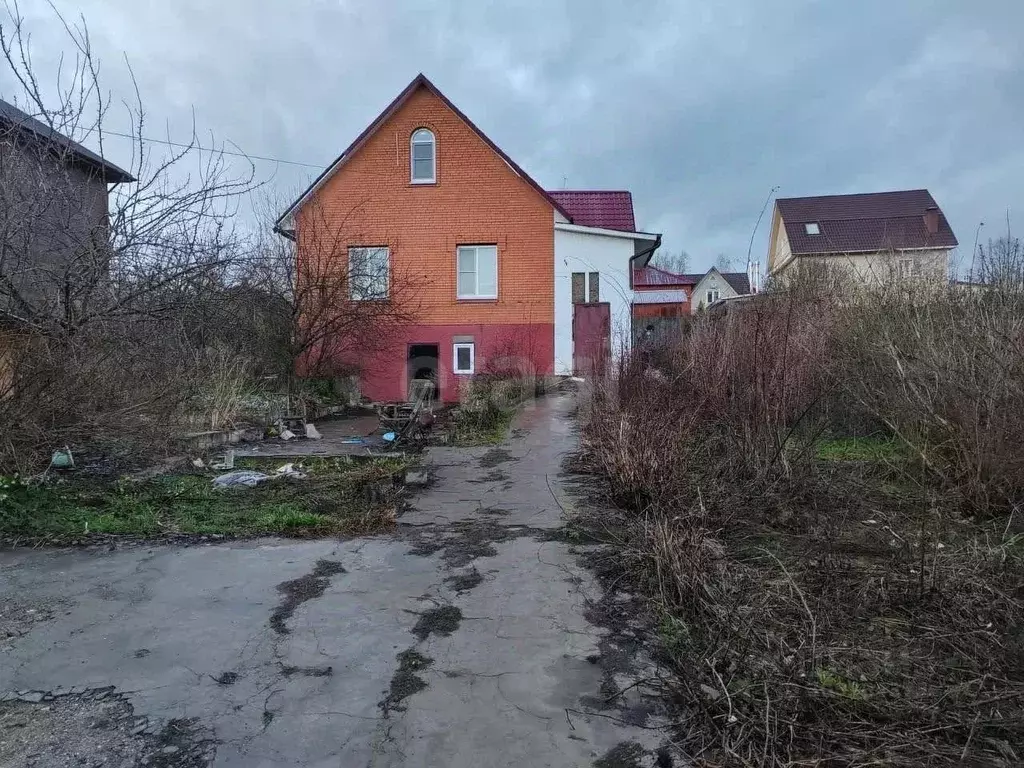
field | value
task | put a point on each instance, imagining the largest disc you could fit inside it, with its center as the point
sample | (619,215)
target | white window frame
(476,273)
(712,295)
(812,228)
(433,155)
(471,346)
(366,249)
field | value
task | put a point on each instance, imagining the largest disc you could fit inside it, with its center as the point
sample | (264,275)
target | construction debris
(242,477)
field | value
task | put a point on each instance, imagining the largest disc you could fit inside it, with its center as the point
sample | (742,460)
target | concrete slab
(337,436)
(512,676)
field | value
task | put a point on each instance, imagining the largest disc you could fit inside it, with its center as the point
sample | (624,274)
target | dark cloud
(699,108)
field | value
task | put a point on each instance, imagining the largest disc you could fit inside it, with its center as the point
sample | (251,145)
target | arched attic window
(422,157)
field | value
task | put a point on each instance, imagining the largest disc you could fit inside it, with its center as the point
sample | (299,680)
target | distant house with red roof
(661,297)
(506,274)
(875,237)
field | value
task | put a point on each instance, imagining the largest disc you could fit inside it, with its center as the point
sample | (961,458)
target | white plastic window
(369,271)
(464,356)
(478,272)
(422,157)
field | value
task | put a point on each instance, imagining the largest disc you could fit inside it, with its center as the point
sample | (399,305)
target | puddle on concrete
(494,476)
(494,457)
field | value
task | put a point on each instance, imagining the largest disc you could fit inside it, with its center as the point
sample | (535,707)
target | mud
(438,621)
(405,681)
(298,591)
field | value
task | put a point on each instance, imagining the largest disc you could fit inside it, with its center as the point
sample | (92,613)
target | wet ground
(471,637)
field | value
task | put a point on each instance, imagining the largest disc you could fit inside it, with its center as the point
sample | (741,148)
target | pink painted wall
(528,348)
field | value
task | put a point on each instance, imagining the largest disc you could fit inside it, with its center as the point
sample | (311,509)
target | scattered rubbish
(312,433)
(246,477)
(353,441)
(198,463)
(228,462)
(577,379)
(287,434)
(291,470)
(389,437)
(62,459)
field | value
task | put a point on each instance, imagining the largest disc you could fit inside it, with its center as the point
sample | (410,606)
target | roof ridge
(20,119)
(889,217)
(856,194)
(420,81)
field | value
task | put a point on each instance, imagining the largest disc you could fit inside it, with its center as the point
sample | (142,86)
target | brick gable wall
(477,199)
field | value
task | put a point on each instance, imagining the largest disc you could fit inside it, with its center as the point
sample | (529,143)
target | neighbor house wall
(53,215)
(711,280)
(477,199)
(779,252)
(591,252)
(876,268)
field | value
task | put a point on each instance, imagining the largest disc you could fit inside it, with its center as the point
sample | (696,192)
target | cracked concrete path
(461,640)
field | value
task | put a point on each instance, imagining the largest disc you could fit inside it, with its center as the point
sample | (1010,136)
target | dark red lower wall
(527,348)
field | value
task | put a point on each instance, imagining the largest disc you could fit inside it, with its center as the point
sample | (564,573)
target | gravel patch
(93,729)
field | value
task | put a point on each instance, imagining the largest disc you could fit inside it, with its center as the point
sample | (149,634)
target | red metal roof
(865,222)
(604,209)
(654,278)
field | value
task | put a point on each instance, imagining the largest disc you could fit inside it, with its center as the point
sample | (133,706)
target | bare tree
(69,256)
(676,262)
(723,263)
(1001,262)
(326,306)
(102,291)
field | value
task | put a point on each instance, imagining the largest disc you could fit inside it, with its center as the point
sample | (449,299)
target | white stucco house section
(607,252)
(714,283)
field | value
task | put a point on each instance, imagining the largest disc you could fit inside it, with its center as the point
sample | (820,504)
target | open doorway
(422,366)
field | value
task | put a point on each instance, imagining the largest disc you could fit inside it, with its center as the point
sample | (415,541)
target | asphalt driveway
(471,637)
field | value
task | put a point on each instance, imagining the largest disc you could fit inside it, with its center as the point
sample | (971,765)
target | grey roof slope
(11,116)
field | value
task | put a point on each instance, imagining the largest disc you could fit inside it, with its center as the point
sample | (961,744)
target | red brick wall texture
(477,199)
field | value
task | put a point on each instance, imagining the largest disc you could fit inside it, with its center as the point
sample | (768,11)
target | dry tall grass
(822,613)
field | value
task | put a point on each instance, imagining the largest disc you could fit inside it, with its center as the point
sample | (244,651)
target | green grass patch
(339,496)
(471,428)
(861,449)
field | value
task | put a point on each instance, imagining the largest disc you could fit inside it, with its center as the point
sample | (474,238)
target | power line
(218,151)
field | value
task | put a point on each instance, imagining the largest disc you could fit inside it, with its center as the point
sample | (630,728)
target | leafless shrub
(944,370)
(138,315)
(827,614)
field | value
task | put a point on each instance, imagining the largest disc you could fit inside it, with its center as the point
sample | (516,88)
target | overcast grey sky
(698,108)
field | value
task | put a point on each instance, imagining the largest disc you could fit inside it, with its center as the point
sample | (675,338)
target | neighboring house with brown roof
(875,237)
(53,214)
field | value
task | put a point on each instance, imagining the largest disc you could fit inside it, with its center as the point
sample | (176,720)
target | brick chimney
(931,220)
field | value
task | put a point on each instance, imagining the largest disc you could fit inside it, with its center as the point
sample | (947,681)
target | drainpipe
(652,249)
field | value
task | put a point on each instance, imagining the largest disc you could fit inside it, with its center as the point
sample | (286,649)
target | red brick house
(429,197)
